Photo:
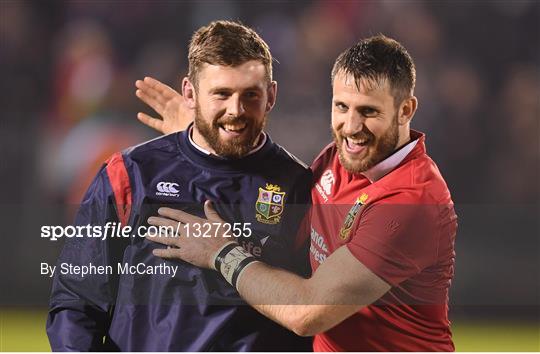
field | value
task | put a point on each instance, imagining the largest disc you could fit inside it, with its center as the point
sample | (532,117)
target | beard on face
(378,148)
(235,147)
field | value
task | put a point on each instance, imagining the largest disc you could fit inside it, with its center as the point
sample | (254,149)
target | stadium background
(67,102)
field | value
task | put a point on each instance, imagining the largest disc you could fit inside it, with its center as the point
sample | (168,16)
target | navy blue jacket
(196,310)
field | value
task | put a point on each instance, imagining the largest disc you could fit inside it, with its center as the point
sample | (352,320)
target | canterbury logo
(327,181)
(324,187)
(167,189)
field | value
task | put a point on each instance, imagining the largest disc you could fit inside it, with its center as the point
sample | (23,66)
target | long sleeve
(80,307)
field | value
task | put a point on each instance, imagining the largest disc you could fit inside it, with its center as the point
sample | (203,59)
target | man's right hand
(168,103)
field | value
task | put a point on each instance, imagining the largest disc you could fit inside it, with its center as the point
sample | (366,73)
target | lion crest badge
(270,204)
(345,230)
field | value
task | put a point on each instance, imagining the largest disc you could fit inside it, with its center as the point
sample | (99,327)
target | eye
(252,95)
(221,94)
(368,112)
(341,107)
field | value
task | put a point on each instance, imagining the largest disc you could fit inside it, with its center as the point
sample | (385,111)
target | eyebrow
(228,89)
(218,89)
(375,108)
(359,108)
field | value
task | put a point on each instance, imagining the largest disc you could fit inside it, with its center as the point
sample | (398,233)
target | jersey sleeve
(396,240)
(80,307)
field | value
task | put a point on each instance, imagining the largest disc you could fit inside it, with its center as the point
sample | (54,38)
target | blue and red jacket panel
(196,309)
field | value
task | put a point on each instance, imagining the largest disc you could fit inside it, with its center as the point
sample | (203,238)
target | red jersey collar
(410,150)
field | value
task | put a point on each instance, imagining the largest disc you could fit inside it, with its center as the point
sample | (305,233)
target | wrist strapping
(231,260)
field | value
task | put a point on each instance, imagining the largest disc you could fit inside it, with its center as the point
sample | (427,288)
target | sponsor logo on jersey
(318,248)
(167,189)
(270,204)
(324,187)
(345,230)
(327,181)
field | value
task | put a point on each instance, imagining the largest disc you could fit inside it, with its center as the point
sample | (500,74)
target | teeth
(356,141)
(234,127)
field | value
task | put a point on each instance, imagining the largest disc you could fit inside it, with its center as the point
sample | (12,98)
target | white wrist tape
(231,260)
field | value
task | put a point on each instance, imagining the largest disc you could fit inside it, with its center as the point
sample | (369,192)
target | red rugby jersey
(397,219)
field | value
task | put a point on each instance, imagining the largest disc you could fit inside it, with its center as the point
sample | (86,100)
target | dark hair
(226,43)
(376,60)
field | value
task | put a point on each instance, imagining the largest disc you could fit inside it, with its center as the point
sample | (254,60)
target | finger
(158,221)
(162,239)
(169,253)
(178,229)
(211,213)
(150,100)
(160,87)
(150,91)
(180,215)
(153,123)
(140,85)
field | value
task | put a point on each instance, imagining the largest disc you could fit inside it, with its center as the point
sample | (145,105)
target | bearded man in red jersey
(382,225)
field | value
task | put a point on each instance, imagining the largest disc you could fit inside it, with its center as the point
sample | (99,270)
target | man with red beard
(382,265)
(224,156)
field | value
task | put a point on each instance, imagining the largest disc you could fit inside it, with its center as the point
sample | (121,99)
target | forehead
(249,74)
(346,89)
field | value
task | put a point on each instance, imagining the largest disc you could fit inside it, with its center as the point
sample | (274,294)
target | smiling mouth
(355,146)
(234,128)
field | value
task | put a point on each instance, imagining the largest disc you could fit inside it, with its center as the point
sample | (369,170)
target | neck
(404,136)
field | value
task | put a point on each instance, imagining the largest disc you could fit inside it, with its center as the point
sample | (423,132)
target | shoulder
(166,144)
(288,156)
(413,194)
(124,163)
(289,163)
(324,160)
(417,181)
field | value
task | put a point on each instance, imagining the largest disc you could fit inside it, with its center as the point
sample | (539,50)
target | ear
(189,93)
(407,109)
(272,95)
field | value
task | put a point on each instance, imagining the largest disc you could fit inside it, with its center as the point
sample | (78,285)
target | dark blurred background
(67,102)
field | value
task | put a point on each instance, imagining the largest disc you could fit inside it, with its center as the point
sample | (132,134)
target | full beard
(236,147)
(378,148)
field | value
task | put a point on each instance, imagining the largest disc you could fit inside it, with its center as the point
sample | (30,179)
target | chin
(354,166)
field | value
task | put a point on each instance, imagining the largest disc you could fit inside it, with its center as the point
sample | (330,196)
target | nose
(235,106)
(352,124)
